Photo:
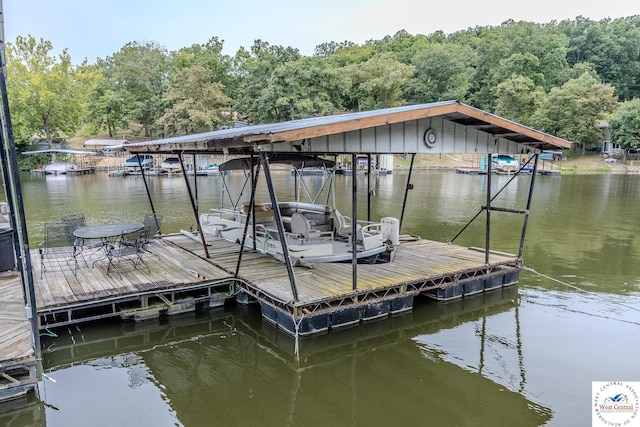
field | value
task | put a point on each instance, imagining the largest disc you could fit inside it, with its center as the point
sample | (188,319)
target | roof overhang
(104,142)
(59,151)
(275,136)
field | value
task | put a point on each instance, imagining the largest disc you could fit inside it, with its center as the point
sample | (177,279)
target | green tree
(402,45)
(612,46)
(326,50)
(574,110)
(516,48)
(195,102)
(443,71)
(518,98)
(254,68)
(378,82)
(348,55)
(138,73)
(46,94)
(209,55)
(625,124)
(300,89)
(106,108)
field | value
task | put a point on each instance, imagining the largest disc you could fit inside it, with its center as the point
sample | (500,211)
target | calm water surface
(522,356)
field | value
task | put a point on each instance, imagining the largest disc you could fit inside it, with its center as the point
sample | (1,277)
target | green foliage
(195,103)
(299,89)
(558,77)
(612,47)
(47,93)
(517,48)
(443,71)
(378,82)
(574,110)
(403,46)
(625,124)
(255,69)
(210,57)
(518,98)
(107,107)
(138,73)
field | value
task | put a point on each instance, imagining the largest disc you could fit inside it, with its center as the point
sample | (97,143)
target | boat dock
(18,373)
(472,171)
(181,278)
(176,282)
(327,299)
(70,172)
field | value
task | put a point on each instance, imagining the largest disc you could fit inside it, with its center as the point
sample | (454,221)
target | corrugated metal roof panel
(249,137)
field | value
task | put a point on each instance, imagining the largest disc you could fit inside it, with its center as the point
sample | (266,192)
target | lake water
(522,356)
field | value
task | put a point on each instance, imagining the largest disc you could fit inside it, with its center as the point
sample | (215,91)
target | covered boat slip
(333,294)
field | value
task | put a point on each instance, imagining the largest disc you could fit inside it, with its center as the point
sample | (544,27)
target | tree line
(562,78)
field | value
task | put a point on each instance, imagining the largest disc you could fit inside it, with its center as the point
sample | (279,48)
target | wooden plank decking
(414,262)
(169,268)
(178,270)
(17,356)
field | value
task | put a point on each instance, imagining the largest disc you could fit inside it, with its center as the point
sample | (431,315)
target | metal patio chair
(56,253)
(152,223)
(129,247)
(71,223)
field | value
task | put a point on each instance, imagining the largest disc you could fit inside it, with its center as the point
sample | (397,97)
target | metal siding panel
(336,143)
(368,143)
(367,139)
(416,144)
(412,136)
(397,133)
(448,137)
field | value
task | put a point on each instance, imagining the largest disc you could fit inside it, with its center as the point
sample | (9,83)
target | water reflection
(523,359)
(227,367)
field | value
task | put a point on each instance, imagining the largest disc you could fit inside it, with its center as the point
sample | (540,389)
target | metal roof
(59,151)
(247,139)
(104,142)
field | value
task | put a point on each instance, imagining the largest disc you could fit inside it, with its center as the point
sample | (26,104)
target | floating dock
(326,298)
(70,172)
(18,370)
(176,282)
(181,279)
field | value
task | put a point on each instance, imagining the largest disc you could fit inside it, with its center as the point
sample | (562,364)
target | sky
(96,29)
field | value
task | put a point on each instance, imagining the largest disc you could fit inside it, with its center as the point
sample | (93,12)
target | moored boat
(59,167)
(132,165)
(313,232)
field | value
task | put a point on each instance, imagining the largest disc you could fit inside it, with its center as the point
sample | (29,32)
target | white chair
(343,228)
(301,226)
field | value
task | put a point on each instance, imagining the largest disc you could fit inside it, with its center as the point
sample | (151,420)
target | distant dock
(473,171)
(70,172)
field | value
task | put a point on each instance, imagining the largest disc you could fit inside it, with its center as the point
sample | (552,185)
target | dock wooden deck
(415,262)
(422,266)
(180,276)
(17,356)
(91,293)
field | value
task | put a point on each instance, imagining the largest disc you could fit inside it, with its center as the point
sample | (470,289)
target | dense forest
(562,78)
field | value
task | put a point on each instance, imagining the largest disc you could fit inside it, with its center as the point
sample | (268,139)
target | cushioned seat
(342,228)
